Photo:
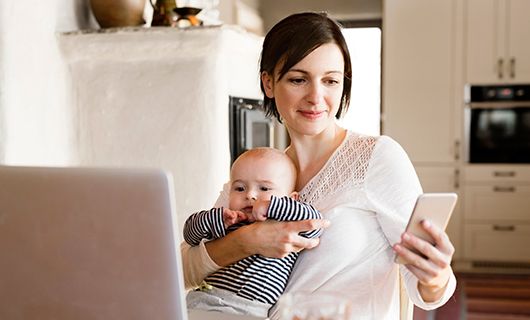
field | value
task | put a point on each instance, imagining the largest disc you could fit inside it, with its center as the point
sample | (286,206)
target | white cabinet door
(519,39)
(499,202)
(497,242)
(418,62)
(497,45)
(485,53)
(445,179)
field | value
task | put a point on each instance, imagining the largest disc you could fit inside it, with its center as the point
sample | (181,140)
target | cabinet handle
(499,68)
(457,149)
(457,179)
(503,189)
(512,67)
(503,228)
(504,174)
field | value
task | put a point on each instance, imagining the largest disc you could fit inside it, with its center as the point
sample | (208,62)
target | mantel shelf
(144,30)
(155,43)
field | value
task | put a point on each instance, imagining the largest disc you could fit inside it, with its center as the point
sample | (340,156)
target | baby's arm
(208,224)
(288,209)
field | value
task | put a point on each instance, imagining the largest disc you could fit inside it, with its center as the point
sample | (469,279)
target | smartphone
(435,207)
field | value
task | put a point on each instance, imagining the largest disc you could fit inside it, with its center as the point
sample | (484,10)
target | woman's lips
(312,115)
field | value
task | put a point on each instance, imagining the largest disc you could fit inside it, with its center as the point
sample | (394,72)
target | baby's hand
(231,217)
(260,210)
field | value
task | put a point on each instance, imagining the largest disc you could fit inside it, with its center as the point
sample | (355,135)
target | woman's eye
(297,80)
(332,82)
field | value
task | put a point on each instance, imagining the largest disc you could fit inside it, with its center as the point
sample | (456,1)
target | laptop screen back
(87,243)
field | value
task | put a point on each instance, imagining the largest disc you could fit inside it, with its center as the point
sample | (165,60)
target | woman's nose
(315,94)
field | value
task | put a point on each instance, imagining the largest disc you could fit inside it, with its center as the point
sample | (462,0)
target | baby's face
(256,178)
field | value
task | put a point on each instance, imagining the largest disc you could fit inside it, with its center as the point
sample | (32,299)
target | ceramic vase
(118,13)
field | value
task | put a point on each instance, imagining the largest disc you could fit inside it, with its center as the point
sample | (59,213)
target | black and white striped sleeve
(288,209)
(206,224)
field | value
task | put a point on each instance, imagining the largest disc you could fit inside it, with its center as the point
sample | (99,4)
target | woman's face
(308,96)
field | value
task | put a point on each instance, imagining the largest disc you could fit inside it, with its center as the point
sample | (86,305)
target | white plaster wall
(35,119)
(159,97)
(2,81)
(136,97)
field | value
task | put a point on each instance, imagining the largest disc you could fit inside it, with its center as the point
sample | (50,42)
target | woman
(365,186)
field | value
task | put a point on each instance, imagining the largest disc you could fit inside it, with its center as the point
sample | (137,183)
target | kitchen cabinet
(497,46)
(430,50)
(445,179)
(496,213)
(507,245)
(422,92)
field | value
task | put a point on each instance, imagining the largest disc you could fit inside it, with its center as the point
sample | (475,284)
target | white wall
(273,11)
(136,97)
(35,121)
(149,97)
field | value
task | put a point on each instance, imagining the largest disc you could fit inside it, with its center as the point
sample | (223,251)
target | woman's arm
(269,238)
(393,187)
(433,272)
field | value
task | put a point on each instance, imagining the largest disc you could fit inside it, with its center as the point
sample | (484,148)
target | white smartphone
(434,207)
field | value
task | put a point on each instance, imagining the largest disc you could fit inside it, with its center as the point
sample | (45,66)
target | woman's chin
(312,129)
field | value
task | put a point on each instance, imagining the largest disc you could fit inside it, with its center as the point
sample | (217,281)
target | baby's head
(259,173)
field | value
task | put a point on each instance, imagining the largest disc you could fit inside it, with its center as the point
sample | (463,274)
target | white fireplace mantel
(159,97)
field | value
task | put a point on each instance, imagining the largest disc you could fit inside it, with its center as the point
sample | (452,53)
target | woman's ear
(268,84)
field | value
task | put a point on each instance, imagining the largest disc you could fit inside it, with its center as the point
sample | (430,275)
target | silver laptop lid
(87,243)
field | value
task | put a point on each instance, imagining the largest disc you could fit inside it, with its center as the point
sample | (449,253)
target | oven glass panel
(260,134)
(249,126)
(500,135)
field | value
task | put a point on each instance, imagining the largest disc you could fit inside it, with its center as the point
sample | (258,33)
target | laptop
(89,243)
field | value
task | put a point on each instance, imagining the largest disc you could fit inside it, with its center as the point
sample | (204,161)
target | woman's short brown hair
(291,40)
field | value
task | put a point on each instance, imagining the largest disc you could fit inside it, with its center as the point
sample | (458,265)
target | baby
(262,183)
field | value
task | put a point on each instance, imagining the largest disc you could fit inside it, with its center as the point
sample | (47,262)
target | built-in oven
(498,123)
(249,127)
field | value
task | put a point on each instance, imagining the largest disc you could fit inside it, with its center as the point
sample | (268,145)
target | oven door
(249,127)
(499,133)
(257,130)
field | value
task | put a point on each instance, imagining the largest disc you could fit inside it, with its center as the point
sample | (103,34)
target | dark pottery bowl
(187,11)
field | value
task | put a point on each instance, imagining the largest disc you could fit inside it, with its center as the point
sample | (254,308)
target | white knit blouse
(367,189)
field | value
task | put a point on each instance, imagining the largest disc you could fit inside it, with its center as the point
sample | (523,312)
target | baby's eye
(265,189)
(239,189)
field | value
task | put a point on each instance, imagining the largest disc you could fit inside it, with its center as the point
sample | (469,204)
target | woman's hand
(270,238)
(434,269)
(276,239)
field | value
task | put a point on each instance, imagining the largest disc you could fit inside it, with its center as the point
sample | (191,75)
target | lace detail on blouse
(347,167)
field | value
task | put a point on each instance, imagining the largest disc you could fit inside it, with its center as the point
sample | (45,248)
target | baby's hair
(267,152)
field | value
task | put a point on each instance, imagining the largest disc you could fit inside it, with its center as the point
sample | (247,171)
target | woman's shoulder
(368,150)
(355,137)
(359,142)
(386,146)
(363,142)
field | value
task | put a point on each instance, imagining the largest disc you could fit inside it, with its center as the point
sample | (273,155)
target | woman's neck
(310,153)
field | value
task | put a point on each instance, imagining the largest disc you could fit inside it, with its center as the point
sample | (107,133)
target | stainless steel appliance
(249,127)
(498,123)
